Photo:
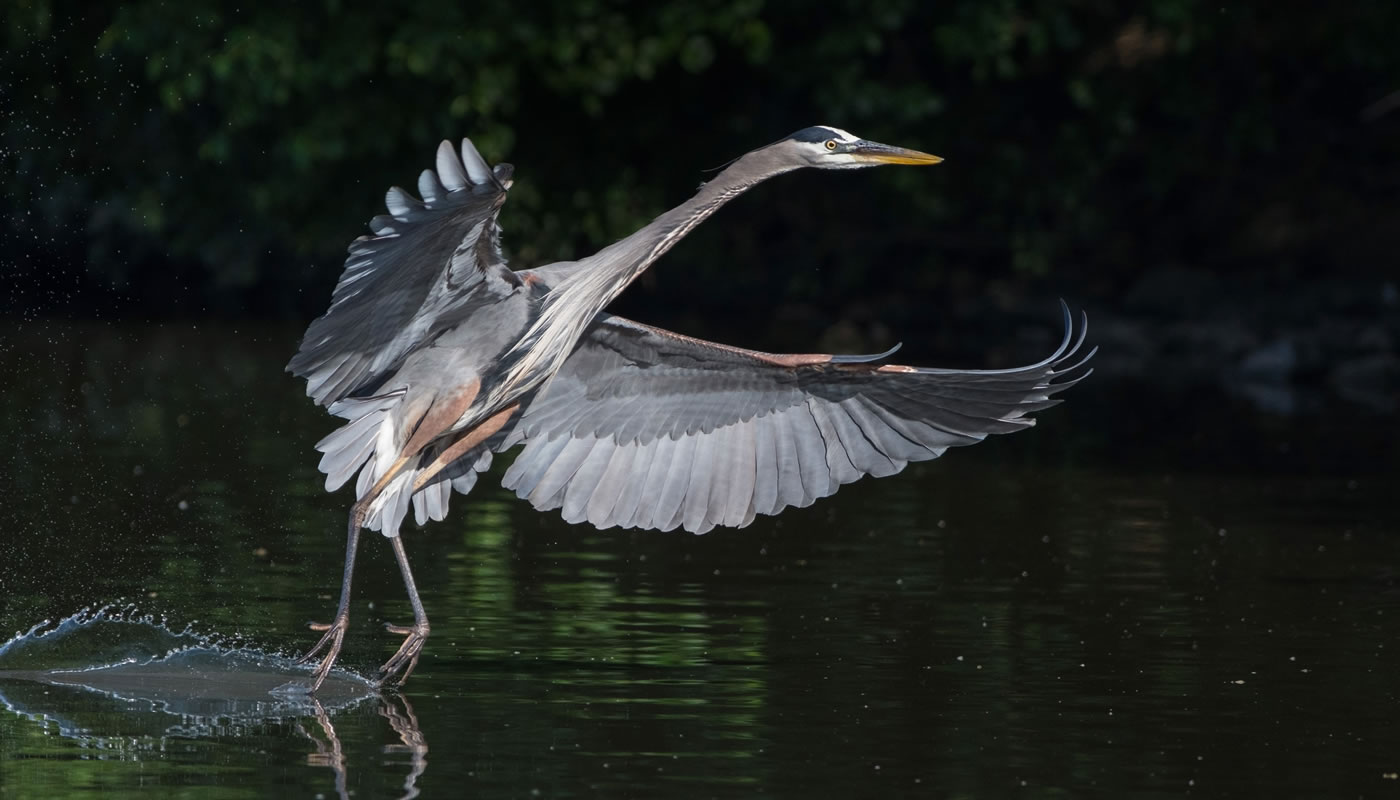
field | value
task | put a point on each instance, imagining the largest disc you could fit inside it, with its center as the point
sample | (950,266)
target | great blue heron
(439,355)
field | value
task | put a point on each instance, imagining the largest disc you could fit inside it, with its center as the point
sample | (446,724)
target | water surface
(1161,589)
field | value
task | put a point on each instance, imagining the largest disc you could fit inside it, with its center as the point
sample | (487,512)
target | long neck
(593,282)
(602,277)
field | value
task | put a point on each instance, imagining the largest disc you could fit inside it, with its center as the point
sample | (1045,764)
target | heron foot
(330,642)
(399,666)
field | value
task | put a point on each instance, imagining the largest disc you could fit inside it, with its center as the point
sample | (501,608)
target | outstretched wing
(424,259)
(644,428)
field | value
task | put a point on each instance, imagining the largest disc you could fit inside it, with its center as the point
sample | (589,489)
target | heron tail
(388,510)
(357,446)
(347,448)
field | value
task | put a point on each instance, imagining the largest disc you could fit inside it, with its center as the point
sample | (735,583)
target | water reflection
(139,717)
(396,710)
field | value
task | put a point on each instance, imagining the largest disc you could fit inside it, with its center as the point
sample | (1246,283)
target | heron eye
(831,145)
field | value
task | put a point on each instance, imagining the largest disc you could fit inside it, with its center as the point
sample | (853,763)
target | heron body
(438,355)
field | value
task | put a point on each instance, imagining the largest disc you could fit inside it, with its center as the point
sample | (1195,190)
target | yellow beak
(888,154)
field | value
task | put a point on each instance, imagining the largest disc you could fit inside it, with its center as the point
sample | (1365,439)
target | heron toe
(399,666)
(330,641)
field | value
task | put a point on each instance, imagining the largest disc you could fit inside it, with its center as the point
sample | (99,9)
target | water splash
(91,639)
(120,660)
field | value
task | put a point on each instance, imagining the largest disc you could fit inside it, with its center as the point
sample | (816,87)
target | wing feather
(423,264)
(702,475)
(766,468)
(549,493)
(739,496)
(671,502)
(529,467)
(634,483)
(579,489)
(607,495)
(791,492)
(648,498)
(889,442)
(811,453)
(478,171)
(644,428)
(842,470)
(450,169)
(858,444)
(430,188)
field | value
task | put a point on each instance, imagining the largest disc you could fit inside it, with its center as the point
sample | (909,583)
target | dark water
(1160,590)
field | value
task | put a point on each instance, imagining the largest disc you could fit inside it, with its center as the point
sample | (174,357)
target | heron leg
(399,666)
(334,634)
(335,631)
(397,669)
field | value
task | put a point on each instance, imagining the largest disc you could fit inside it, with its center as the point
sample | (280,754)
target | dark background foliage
(181,159)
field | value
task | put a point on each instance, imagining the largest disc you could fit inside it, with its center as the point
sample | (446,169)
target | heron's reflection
(328,753)
(132,711)
(399,712)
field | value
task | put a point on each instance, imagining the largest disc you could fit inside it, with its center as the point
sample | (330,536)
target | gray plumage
(405,284)
(765,435)
(438,355)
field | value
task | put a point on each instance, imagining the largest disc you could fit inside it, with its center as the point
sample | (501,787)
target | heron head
(825,147)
